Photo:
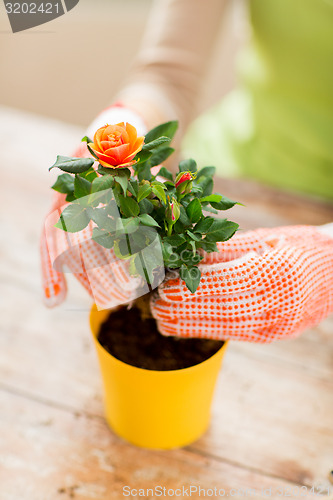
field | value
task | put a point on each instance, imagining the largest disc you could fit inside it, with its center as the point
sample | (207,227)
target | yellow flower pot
(156,409)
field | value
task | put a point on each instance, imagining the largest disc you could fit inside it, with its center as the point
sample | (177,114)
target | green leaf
(167,251)
(188,165)
(147,220)
(135,242)
(149,146)
(221,230)
(175,240)
(213,197)
(90,174)
(155,202)
(144,172)
(133,187)
(70,197)
(106,171)
(191,257)
(182,247)
(146,233)
(183,218)
(121,247)
(194,249)
(146,207)
(193,236)
(167,129)
(86,139)
(92,152)
(191,276)
(127,226)
(206,172)
(145,266)
(73,218)
(122,172)
(224,203)
(101,217)
(142,157)
(196,190)
(112,209)
(159,192)
(144,191)
(82,187)
(179,228)
(64,184)
(104,196)
(102,237)
(137,269)
(218,201)
(163,172)
(174,264)
(171,258)
(158,183)
(194,211)
(203,225)
(206,185)
(170,186)
(208,246)
(129,206)
(209,209)
(154,264)
(72,165)
(102,183)
(122,177)
(123,181)
(160,155)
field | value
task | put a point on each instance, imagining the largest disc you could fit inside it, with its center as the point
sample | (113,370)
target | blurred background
(70,68)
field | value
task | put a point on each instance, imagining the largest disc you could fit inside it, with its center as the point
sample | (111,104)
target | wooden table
(272,423)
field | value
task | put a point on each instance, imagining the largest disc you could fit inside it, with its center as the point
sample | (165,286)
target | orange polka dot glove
(102,275)
(261,286)
(106,278)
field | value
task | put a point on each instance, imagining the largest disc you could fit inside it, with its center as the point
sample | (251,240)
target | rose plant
(129,207)
(146,220)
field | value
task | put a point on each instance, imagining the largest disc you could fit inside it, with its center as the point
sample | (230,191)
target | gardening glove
(261,286)
(105,277)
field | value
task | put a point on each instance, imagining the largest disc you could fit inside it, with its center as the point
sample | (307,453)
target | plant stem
(145,272)
(169,230)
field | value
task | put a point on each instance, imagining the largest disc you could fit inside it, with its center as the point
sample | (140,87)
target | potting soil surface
(137,342)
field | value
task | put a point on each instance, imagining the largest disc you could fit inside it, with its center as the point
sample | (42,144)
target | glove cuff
(326,229)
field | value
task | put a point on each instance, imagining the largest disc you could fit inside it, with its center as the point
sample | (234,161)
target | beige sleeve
(166,79)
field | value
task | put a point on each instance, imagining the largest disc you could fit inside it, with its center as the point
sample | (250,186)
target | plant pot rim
(94,311)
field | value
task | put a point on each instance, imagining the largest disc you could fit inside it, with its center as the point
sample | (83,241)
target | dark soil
(137,342)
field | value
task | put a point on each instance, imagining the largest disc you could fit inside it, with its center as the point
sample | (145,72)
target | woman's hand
(261,286)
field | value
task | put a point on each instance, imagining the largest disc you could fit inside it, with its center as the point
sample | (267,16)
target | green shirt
(277,126)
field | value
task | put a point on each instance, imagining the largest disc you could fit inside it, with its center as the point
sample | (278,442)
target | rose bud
(172,212)
(116,145)
(183,182)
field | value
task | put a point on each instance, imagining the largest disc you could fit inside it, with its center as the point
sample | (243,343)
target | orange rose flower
(116,145)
